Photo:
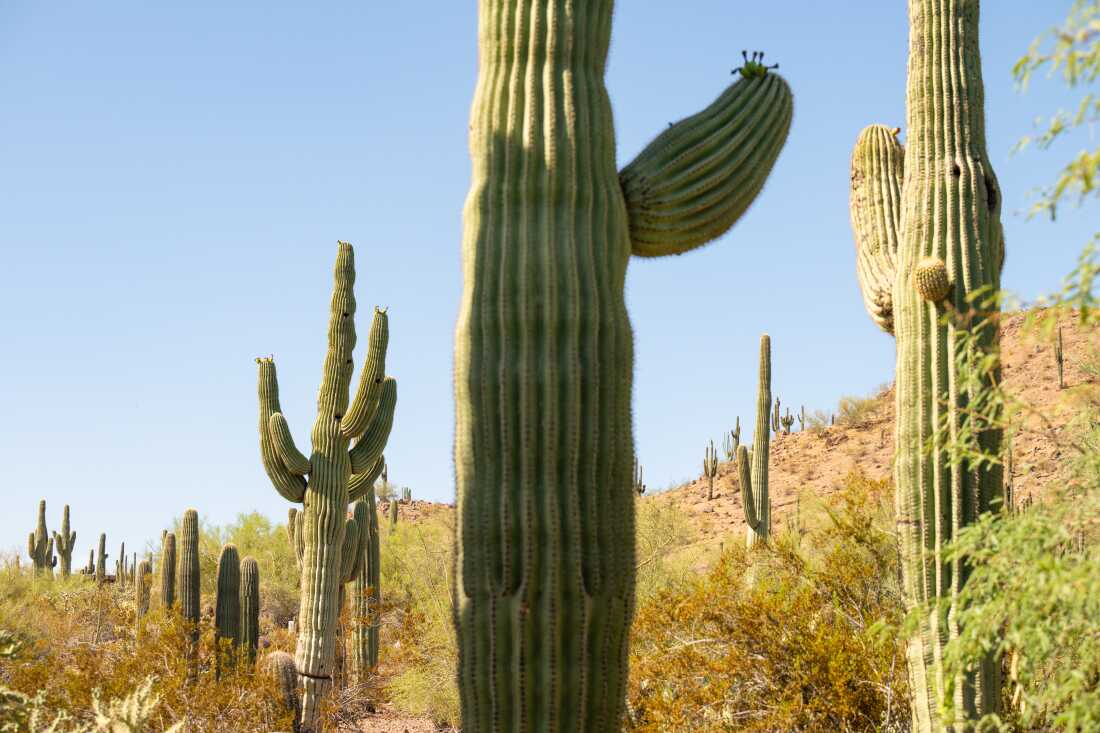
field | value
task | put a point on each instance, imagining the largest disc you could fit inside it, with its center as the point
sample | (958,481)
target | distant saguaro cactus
(731,440)
(40,545)
(710,468)
(929,242)
(639,479)
(64,542)
(101,560)
(393,513)
(142,579)
(777,421)
(120,566)
(753,472)
(250,608)
(227,602)
(802,418)
(787,422)
(347,443)
(1059,359)
(168,570)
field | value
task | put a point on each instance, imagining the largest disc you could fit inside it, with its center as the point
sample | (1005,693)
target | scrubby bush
(794,637)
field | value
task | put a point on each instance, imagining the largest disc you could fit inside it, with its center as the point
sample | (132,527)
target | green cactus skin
(40,545)
(101,560)
(297,539)
(187,573)
(143,576)
(64,542)
(366,595)
(250,608)
(406,495)
(331,470)
(732,440)
(90,569)
(787,422)
(754,483)
(120,566)
(875,206)
(167,570)
(710,468)
(946,176)
(777,423)
(279,666)
(227,605)
(393,513)
(544,591)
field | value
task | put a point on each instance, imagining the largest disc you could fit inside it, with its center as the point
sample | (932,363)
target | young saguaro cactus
(366,594)
(250,607)
(101,560)
(188,571)
(752,470)
(40,545)
(279,666)
(227,600)
(168,570)
(143,575)
(332,475)
(64,542)
(936,204)
(544,592)
(710,468)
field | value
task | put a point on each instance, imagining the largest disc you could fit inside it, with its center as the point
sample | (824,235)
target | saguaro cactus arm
(878,166)
(696,179)
(293,459)
(371,379)
(290,485)
(362,483)
(367,450)
(744,477)
(350,552)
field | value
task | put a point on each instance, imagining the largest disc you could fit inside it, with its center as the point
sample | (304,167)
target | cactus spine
(40,545)
(752,471)
(332,471)
(366,592)
(64,542)
(167,570)
(937,202)
(710,468)
(142,579)
(101,560)
(544,591)
(227,603)
(250,608)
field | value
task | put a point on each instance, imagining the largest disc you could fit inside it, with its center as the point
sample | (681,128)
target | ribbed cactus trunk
(142,581)
(168,570)
(64,542)
(950,214)
(250,608)
(101,560)
(927,226)
(40,545)
(227,606)
(759,519)
(366,593)
(188,575)
(544,354)
(331,476)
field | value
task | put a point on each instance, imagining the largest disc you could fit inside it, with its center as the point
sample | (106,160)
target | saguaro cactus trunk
(40,545)
(336,475)
(544,353)
(944,227)
(753,473)
(64,542)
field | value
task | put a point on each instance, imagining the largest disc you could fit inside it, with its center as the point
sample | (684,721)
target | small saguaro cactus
(731,440)
(544,354)
(347,442)
(393,513)
(752,471)
(101,560)
(143,576)
(777,420)
(802,418)
(120,566)
(710,468)
(929,241)
(787,422)
(89,569)
(406,495)
(64,542)
(279,666)
(40,545)
(227,602)
(187,573)
(167,570)
(366,595)
(250,608)
(1059,359)
(639,479)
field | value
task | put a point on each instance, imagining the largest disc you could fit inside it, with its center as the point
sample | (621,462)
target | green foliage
(809,644)
(854,411)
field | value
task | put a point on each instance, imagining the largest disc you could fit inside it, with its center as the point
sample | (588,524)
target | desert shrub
(787,638)
(855,411)
(666,554)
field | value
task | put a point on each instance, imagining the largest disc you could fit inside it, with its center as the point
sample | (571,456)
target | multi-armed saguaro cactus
(250,607)
(710,468)
(544,356)
(101,560)
(336,475)
(40,545)
(928,236)
(167,570)
(731,440)
(752,472)
(63,542)
(366,592)
(406,495)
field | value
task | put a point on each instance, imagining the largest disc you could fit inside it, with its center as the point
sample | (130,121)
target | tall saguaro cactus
(40,545)
(928,235)
(753,472)
(544,354)
(188,571)
(64,542)
(335,473)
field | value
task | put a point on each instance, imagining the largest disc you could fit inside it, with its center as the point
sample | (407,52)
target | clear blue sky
(173,182)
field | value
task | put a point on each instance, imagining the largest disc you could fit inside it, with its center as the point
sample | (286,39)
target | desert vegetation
(953,586)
